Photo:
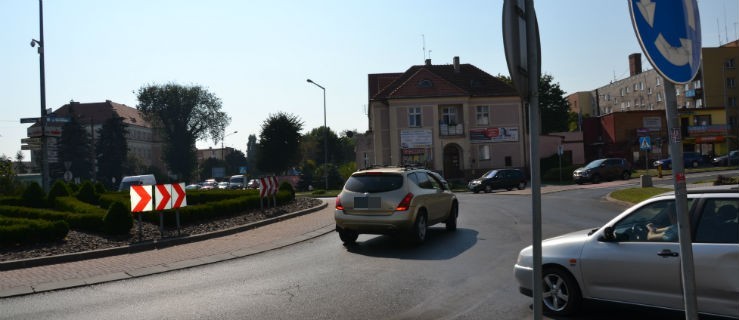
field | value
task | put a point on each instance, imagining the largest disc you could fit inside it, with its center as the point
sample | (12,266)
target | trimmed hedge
(19,231)
(78,221)
(117,220)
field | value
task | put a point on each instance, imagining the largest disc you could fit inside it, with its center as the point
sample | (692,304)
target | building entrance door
(453,161)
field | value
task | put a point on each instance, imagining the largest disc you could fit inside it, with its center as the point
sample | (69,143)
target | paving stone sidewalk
(110,268)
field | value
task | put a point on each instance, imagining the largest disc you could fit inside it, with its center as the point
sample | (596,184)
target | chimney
(428,62)
(456,64)
(634,64)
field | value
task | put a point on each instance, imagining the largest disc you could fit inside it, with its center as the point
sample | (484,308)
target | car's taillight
(338,204)
(405,203)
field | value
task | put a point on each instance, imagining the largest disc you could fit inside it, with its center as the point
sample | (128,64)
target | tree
(252,151)
(313,145)
(554,109)
(111,151)
(553,106)
(279,143)
(184,115)
(19,165)
(75,148)
(8,183)
(234,160)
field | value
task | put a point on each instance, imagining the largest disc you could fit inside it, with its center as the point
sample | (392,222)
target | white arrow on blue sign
(644,143)
(669,33)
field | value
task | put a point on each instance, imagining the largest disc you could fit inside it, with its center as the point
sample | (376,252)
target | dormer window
(425,83)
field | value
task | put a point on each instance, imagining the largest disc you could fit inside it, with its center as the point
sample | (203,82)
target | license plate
(367,202)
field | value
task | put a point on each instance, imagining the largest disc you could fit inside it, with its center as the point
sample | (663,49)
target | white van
(145,179)
(237,182)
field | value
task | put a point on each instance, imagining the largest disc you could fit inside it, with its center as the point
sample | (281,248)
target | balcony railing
(451,130)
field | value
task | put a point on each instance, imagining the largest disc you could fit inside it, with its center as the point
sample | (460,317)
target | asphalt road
(462,275)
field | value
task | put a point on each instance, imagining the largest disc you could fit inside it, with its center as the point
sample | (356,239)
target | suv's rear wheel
(451,221)
(521,185)
(347,237)
(420,228)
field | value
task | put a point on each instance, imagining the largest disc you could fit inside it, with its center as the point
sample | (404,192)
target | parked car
(144,179)
(209,184)
(498,179)
(394,200)
(223,185)
(624,262)
(193,186)
(730,159)
(253,184)
(236,182)
(603,169)
(690,159)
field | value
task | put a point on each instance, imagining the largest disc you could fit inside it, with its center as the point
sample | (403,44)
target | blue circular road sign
(669,32)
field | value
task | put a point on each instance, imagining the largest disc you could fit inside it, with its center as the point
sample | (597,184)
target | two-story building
(455,118)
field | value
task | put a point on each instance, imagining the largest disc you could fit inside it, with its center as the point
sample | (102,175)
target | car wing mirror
(608,234)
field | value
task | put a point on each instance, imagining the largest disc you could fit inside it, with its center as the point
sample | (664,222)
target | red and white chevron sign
(264,186)
(170,196)
(141,198)
(275,185)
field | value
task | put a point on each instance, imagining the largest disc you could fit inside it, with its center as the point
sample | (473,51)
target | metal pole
(325,134)
(44,144)
(533,78)
(681,203)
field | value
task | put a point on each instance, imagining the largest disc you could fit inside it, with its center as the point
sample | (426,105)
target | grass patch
(636,195)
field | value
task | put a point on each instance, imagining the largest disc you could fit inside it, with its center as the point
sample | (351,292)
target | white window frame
(482,115)
(449,115)
(483,152)
(415,117)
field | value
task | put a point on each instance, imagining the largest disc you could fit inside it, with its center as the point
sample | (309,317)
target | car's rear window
(374,182)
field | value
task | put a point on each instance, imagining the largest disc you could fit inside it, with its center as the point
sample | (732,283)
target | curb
(148,245)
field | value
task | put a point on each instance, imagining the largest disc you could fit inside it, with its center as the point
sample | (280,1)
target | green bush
(19,231)
(286,186)
(72,204)
(77,221)
(118,220)
(33,196)
(58,189)
(99,188)
(87,193)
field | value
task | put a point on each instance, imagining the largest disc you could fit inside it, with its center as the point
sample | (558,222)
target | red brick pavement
(86,272)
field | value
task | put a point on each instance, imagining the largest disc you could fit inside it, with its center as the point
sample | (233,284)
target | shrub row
(19,231)
(78,221)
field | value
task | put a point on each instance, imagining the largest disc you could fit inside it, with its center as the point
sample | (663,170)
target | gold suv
(394,200)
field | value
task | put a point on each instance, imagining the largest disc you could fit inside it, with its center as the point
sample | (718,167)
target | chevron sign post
(268,187)
(169,196)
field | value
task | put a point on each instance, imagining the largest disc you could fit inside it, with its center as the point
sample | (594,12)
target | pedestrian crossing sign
(644,143)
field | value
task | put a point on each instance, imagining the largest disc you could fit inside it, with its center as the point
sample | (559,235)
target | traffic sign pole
(670,36)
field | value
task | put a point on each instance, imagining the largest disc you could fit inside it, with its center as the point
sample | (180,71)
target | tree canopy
(553,106)
(111,150)
(279,143)
(183,115)
(75,148)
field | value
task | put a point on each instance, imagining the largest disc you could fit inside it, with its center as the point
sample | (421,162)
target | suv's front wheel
(451,221)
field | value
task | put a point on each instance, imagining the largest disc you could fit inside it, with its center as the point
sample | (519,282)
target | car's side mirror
(608,234)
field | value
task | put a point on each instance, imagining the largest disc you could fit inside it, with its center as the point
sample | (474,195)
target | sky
(256,55)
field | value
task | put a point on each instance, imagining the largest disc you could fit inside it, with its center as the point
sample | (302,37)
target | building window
(449,115)
(649,91)
(483,115)
(508,161)
(731,82)
(731,102)
(659,96)
(659,81)
(730,63)
(483,151)
(687,104)
(704,120)
(699,103)
(677,92)
(414,117)
(697,84)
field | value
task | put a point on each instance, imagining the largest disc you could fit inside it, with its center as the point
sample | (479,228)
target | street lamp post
(44,144)
(223,157)
(325,135)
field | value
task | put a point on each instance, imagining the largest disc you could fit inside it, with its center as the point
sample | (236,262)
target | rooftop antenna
(718,28)
(726,29)
(423,38)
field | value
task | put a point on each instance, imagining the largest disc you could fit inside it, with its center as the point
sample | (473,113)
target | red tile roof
(444,82)
(98,112)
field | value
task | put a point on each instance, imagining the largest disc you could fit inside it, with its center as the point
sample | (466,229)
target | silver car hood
(564,247)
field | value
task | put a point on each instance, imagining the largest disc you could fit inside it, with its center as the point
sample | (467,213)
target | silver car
(629,261)
(394,200)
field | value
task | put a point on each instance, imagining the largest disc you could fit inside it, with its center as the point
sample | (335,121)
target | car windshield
(489,174)
(594,164)
(374,182)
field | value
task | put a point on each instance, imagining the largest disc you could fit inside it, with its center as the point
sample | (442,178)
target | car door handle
(667,253)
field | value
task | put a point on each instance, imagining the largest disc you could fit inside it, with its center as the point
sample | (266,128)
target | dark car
(498,179)
(690,159)
(727,160)
(603,169)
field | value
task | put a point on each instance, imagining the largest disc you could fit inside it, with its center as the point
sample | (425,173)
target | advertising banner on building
(494,134)
(415,138)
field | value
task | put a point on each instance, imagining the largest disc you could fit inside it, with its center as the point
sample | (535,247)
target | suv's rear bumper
(396,222)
